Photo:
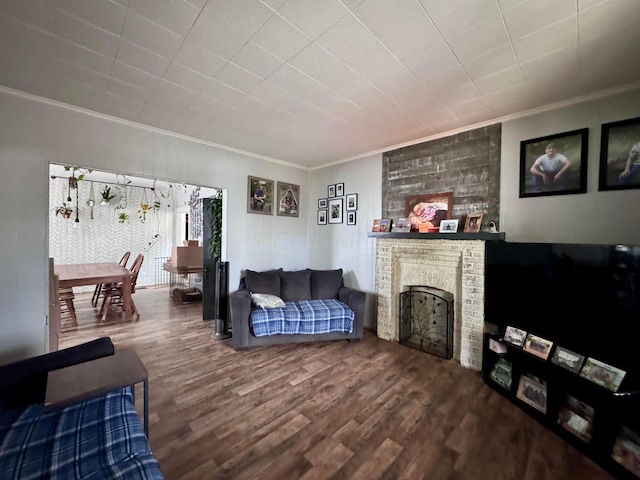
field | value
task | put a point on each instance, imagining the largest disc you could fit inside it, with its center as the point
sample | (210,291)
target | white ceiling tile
(274,95)
(244,16)
(555,37)
(422,108)
(257,60)
(139,78)
(506,95)
(311,16)
(197,3)
(222,93)
(432,60)
(401,25)
(290,79)
(126,90)
(36,13)
(485,37)
(281,38)
(101,13)
(171,96)
(564,60)
(348,38)
(115,104)
(216,37)
(608,16)
(531,15)
(138,57)
(586,4)
(197,58)
(442,82)
(491,62)
(273,4)
(176,16)
(463,93)
(186,77)
(467,108)
(500,80)
(451,18)
(352,3)
(321,65)
(380,67)
(83,33)
(148,35)
(238,78)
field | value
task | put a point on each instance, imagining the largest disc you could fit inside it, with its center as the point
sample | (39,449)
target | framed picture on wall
(351,218)
(259,195)
(352,202)
(554,165)
(620,155)
(322,203)
(339,189)
(335,210)
(322,217)
(288,199)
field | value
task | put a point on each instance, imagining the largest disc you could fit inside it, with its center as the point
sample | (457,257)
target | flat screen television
(583,297)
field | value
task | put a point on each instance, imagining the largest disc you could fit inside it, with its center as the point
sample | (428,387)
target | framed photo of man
(555,164)
(620,155)
(259,196)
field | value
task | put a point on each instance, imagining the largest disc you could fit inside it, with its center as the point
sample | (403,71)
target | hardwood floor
(333,410)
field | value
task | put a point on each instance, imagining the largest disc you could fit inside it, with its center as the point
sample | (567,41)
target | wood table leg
(126,298)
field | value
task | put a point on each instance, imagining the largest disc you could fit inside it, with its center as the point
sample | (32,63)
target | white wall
(347,246)
(34,133)
(593,217)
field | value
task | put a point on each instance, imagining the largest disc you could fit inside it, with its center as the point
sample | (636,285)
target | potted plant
(63,210)
(107,196)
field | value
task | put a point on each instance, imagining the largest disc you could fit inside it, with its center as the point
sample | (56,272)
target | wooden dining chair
(67,309)
(97,293)
(113,293)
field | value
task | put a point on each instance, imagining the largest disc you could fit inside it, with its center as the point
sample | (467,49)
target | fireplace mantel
(439,236)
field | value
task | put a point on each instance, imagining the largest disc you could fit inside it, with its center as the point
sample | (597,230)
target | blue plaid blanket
(304,316)
(100,438)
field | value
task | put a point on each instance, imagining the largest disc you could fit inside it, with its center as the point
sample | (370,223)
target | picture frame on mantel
(428,209)
(554,164)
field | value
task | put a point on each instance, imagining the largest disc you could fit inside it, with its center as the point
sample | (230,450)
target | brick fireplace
(453,265)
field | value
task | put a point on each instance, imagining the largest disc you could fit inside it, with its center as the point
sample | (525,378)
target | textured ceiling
(312,82)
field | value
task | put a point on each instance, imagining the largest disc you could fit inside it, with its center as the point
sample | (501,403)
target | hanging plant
(106,195)
(64,210)
(123,217)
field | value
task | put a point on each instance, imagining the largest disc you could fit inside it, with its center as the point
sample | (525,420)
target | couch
(100,437)
(305,293)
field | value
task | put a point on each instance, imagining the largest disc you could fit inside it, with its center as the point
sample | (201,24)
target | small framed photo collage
(573,415)
(334,208)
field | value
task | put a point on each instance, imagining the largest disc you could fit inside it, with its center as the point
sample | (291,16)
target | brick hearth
(456,266)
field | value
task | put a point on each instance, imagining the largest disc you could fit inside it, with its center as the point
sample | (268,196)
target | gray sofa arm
(240,311)
(355,299)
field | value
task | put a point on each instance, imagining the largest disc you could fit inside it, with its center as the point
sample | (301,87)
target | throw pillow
(325,283)
(263,282)
(295,285)
(264,300)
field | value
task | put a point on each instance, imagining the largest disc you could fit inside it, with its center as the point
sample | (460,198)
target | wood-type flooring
(330,410)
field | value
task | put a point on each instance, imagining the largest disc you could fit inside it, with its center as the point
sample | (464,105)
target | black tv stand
(610,410)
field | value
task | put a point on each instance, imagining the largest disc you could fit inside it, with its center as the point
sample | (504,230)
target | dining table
(80,274)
